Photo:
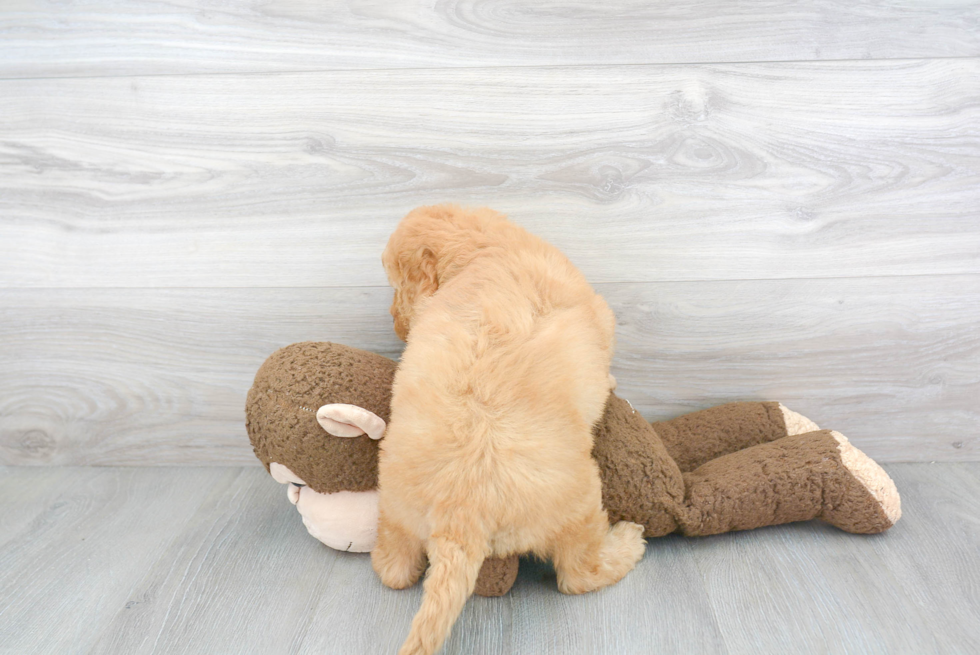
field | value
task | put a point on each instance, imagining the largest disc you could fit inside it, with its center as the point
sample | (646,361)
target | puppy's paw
(398,570)
(622,547)
(625,545)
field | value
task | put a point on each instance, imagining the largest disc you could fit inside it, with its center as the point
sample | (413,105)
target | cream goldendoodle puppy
(487,453)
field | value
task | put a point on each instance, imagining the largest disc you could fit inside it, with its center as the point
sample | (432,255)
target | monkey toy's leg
(817,475)
(699,437)
(497,576)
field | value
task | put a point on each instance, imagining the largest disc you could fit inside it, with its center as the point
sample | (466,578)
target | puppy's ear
(420,281)
(424,272)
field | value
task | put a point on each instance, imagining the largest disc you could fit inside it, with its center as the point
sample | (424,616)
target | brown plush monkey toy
(316,412)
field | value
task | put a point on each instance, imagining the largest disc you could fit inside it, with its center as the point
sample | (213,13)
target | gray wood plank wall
(780,201)
(135,37)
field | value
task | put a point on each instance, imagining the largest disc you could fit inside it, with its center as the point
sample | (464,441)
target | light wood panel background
(780,200)
(135,376)
(132,37)
(644,173)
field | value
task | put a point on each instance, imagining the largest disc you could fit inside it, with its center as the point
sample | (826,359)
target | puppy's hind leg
(398,558)
(589,554)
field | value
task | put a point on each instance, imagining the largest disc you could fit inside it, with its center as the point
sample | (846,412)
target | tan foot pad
(867,471)
(796,423)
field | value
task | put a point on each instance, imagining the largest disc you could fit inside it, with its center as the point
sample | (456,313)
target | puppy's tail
(455,558)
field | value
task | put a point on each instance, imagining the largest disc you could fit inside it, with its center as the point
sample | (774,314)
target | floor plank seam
(394,69)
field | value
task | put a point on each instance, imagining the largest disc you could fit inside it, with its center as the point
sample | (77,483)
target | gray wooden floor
(215,560)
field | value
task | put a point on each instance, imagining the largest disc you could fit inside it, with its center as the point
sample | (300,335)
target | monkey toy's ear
(342,420)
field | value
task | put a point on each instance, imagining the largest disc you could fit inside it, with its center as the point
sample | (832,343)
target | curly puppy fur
(505,371)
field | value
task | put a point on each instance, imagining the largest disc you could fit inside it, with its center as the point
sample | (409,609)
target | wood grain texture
(215,560)
(643,613)
(116,37)
(911,589)
(893,363)
(23,503)
(92,534)
(811,568)
(159,376)
(638,173)
(156,376)
(239,577)
(937,558)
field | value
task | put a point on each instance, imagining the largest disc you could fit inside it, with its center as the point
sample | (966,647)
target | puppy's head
(427,248)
